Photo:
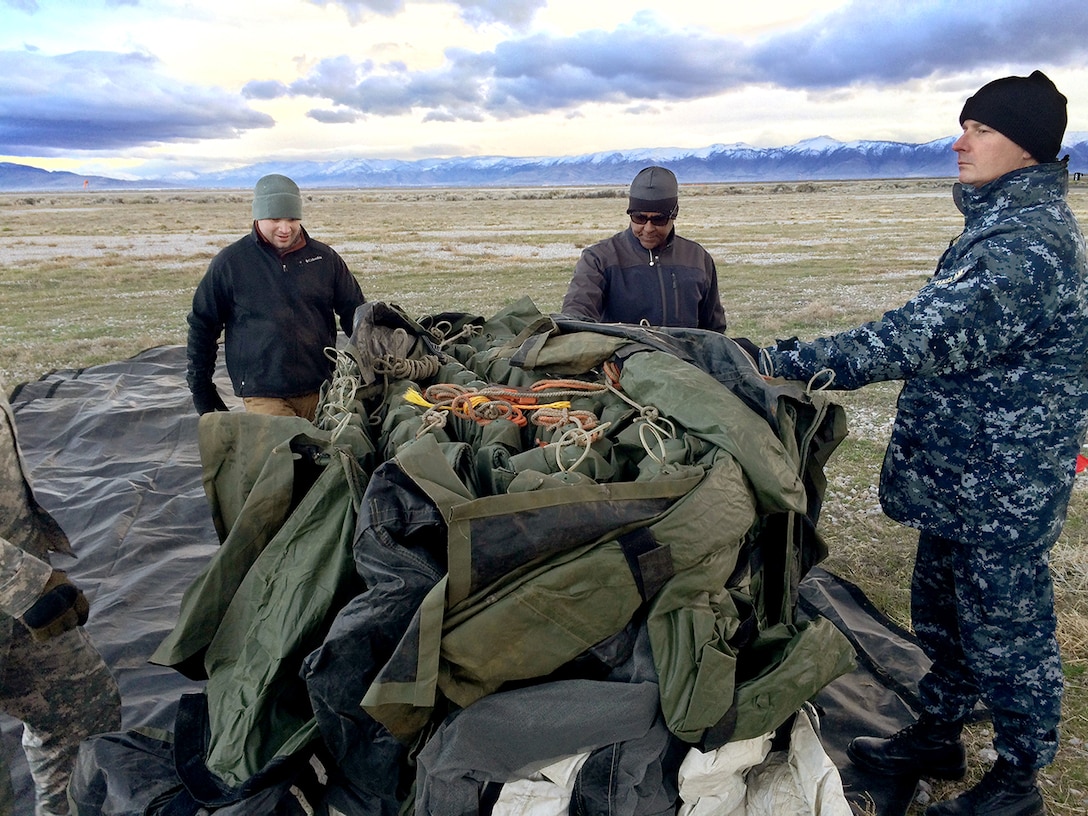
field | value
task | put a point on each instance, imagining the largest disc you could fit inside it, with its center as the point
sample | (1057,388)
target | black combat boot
(1005,790)
(926,748)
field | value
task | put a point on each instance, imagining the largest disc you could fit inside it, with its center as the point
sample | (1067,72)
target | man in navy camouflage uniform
(51,677)
(993,352)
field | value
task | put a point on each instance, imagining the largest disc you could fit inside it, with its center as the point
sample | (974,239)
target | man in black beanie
(993,355)
(1029,111)
(276,294)
(647,273)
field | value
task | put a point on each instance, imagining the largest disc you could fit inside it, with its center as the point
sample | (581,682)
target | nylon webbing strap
(720,733)
(525,356)
(650,563)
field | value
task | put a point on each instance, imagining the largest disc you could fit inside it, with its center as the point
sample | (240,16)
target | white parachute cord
(440,335)
(815,385)
(432,419)
(766,364)
(335,410)
(653,421)
(572,436)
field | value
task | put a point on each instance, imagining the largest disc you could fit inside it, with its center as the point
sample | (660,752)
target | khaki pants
(304,406)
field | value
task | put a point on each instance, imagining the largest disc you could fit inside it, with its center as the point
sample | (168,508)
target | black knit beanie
(1028,110)
(654,190)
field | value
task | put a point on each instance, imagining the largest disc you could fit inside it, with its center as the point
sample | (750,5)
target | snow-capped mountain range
(821,158)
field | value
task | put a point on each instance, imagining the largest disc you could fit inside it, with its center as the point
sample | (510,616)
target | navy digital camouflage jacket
(993,352)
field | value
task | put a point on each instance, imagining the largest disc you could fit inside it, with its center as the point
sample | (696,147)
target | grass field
(92,277)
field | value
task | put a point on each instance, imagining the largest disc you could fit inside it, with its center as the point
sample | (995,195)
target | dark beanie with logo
(1028,110)
(276,196)
(654,190)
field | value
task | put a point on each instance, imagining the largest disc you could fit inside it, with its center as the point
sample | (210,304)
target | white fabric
(739,779)
(743,779)
(802,781)
(545,793)
(713,784)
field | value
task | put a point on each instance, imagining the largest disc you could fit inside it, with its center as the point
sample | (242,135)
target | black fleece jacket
(278,314)
(619,281)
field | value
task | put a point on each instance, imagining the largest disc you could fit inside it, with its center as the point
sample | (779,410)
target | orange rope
(487,404)
(612,372)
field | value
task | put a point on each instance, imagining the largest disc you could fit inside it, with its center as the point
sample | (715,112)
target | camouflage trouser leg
(7,795)
(986,619)
(62,692)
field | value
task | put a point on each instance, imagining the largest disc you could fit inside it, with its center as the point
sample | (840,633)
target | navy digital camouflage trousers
(62,692)
(986,619)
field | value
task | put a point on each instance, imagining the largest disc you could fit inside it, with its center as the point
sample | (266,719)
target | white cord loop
(815,384)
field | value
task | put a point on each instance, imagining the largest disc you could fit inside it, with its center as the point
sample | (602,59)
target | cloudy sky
(159,88)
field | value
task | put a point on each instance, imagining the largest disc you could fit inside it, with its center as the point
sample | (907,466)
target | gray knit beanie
(276,196)
(654,190)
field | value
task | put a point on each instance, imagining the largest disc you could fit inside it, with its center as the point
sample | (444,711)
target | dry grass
(91,278)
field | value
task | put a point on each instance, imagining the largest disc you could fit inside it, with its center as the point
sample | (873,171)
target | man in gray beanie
(276,294)
(647,274)
(993,355)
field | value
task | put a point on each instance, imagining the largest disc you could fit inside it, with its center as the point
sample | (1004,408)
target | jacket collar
(303,239)
(656,250)
(1038,184)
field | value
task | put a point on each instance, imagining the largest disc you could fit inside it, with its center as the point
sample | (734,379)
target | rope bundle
(541,403)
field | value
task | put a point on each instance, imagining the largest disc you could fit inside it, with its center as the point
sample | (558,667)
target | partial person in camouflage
(52,678)
(993,354)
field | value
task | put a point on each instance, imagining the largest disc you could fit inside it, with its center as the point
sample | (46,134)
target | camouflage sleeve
(996,296)
(22,578)
(23,575)
(24,524)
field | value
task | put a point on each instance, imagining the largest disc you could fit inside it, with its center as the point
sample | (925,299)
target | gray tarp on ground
(113,455)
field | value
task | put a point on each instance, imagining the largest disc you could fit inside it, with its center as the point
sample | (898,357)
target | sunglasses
(656,220)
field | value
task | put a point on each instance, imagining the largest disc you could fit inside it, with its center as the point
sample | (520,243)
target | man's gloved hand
(207,399)
(62,606)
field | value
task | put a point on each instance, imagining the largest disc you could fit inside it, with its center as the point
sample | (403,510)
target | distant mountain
(819,159)
(21,177)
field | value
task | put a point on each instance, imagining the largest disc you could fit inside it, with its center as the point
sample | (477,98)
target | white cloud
(247,80)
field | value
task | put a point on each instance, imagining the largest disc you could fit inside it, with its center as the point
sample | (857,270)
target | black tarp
(113,455)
